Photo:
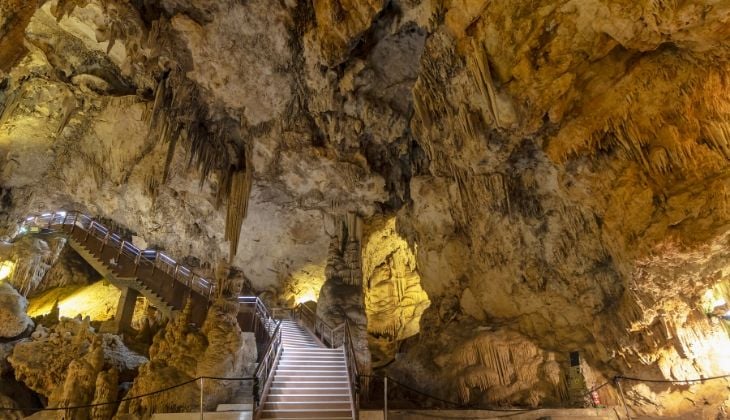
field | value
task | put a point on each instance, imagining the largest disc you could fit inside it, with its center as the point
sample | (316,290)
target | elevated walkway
(150,273)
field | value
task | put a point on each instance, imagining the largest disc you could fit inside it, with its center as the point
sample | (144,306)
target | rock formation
(341,297)
(557,168)
(6,402)
(42,362)
(180,353)
(14,320)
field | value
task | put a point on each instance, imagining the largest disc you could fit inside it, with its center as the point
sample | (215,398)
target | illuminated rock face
(42,363)
(555,170)
(180,353)
(394,299)
(13,318)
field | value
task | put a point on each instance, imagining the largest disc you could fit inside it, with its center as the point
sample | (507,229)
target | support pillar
(125,309)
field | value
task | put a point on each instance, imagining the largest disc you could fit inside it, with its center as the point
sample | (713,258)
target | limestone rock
(41,362)
(179,353)
(557,168)
(394,298)
(7,402)
(14,320)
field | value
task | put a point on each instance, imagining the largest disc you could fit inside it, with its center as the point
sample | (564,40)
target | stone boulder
(14,321)
(181,352)
(42,363)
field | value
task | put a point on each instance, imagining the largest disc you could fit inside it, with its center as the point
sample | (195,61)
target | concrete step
(235,407)
(290,342)
(342,397)
(292,389)
(303,360)
(341,373)
(311,384)
(316,352)
(305,414)
(310,377)
(307,405)
(290,367)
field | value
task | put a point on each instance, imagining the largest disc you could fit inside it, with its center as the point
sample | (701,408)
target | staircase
(310,380)
(111,274)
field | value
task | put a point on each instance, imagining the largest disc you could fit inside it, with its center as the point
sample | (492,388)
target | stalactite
(7,108)
(31,268)
(497,367)
(481,75)
(179,116)
(241,181)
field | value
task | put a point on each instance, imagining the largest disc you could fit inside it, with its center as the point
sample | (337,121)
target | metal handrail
(267,366)
(179,272)
(159,260)
(320,327)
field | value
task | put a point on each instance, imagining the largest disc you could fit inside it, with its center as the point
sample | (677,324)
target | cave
(376,209)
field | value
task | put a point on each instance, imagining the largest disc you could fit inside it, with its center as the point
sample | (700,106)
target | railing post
(91,226)
(621,393)
(154,262)
(385,398)
(103,242)
(201,398)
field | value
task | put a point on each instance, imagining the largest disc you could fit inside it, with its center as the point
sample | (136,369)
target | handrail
(267,366)
(322,329)
(352,370)
(158,260)
(161,261)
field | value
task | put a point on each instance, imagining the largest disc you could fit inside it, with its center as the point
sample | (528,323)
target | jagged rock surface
(41,362)
(180,353)
(558,168)
(14,320)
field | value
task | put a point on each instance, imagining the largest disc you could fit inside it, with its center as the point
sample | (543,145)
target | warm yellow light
(97,301)
(306,297)
(6,268)
(713,299)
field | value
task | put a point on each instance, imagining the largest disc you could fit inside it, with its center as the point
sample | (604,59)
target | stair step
(318,374)
(290,360)
(235,407)
(292,389)
(279,379)
(307,405)
(343,397)
(316,414)
(312,366)
(316,385)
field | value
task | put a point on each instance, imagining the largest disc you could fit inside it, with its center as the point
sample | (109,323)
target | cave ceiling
(556,169)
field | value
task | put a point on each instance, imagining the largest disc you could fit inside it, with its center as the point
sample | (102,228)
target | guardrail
(157,260)
(334,337)
(267,366)
(263,324)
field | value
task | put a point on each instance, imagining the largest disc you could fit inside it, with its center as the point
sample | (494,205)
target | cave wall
(554,171)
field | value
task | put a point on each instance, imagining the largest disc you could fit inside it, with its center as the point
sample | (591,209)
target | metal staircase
(309,381)
(306,369)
